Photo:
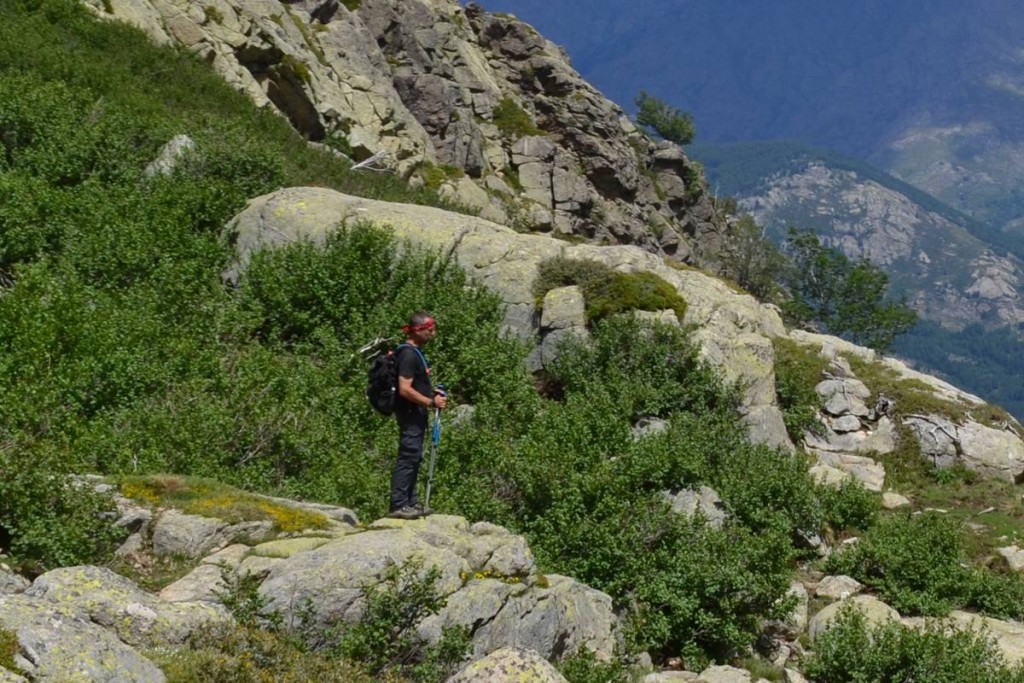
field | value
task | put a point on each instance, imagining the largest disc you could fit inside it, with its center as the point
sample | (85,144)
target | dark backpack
(382,384)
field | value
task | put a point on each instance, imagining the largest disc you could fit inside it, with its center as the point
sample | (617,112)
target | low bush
(917,563)
(798,369)
(851,507)
(585,667)
(513,121)
(385,641)
(606,291)
(48,519)
(851,651)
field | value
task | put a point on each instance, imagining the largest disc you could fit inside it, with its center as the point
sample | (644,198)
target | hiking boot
(423,510)
(406,512)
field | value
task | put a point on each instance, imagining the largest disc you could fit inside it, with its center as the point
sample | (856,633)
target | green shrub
(513,121)
(851,507)
(851,651)
(584,667)
(798,369)
(606,291)
(384,640)
(49,519)
(668,122)
(917,563)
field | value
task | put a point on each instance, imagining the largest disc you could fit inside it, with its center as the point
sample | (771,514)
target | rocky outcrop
(993,452)
(733,330)
(432,82)
(88,623)
(858,422)
(487,574)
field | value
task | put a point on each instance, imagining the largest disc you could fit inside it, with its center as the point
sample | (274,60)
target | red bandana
(427,324)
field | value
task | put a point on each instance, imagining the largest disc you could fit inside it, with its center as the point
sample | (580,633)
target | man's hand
(440,400)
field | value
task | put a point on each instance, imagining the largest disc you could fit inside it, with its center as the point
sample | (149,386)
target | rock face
(734,331)
(430,81)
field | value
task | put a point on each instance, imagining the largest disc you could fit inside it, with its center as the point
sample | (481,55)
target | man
(415,397)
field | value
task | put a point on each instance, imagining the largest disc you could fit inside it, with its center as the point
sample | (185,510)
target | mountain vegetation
(123,353)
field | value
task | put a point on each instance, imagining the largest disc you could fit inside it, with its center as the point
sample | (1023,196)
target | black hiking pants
(412,427)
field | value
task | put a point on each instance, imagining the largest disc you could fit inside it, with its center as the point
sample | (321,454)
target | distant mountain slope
(932,253)
(930,90)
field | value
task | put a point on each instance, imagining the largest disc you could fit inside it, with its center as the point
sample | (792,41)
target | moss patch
(914,397)
(209,498)
(435,175)
(8,648)
(607,291)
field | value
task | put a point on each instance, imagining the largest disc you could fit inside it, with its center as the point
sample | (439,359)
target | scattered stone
(509,665)
(891,501)
(671,677)
(724,674)
(838,587)
(705,500)
(1014,557)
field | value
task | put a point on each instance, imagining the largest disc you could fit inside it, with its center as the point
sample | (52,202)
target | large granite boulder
(487,574)
(732,329)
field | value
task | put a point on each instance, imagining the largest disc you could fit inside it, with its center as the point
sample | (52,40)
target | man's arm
(406,391)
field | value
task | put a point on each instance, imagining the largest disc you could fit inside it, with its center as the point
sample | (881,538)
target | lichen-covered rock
(114,602)
(58,643)
(193,536)
(11,582)
(874,610)
(11,677)
(488,575)
(509,665)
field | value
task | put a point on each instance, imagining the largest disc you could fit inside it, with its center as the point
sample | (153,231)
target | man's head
(421,328)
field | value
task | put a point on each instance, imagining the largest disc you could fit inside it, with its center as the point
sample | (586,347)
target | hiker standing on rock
(415,397)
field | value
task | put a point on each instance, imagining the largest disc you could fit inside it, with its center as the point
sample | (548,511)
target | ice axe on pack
(434,440)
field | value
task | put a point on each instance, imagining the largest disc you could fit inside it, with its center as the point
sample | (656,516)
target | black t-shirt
(412,363)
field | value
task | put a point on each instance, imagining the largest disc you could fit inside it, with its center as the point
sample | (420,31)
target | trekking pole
(435,439)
